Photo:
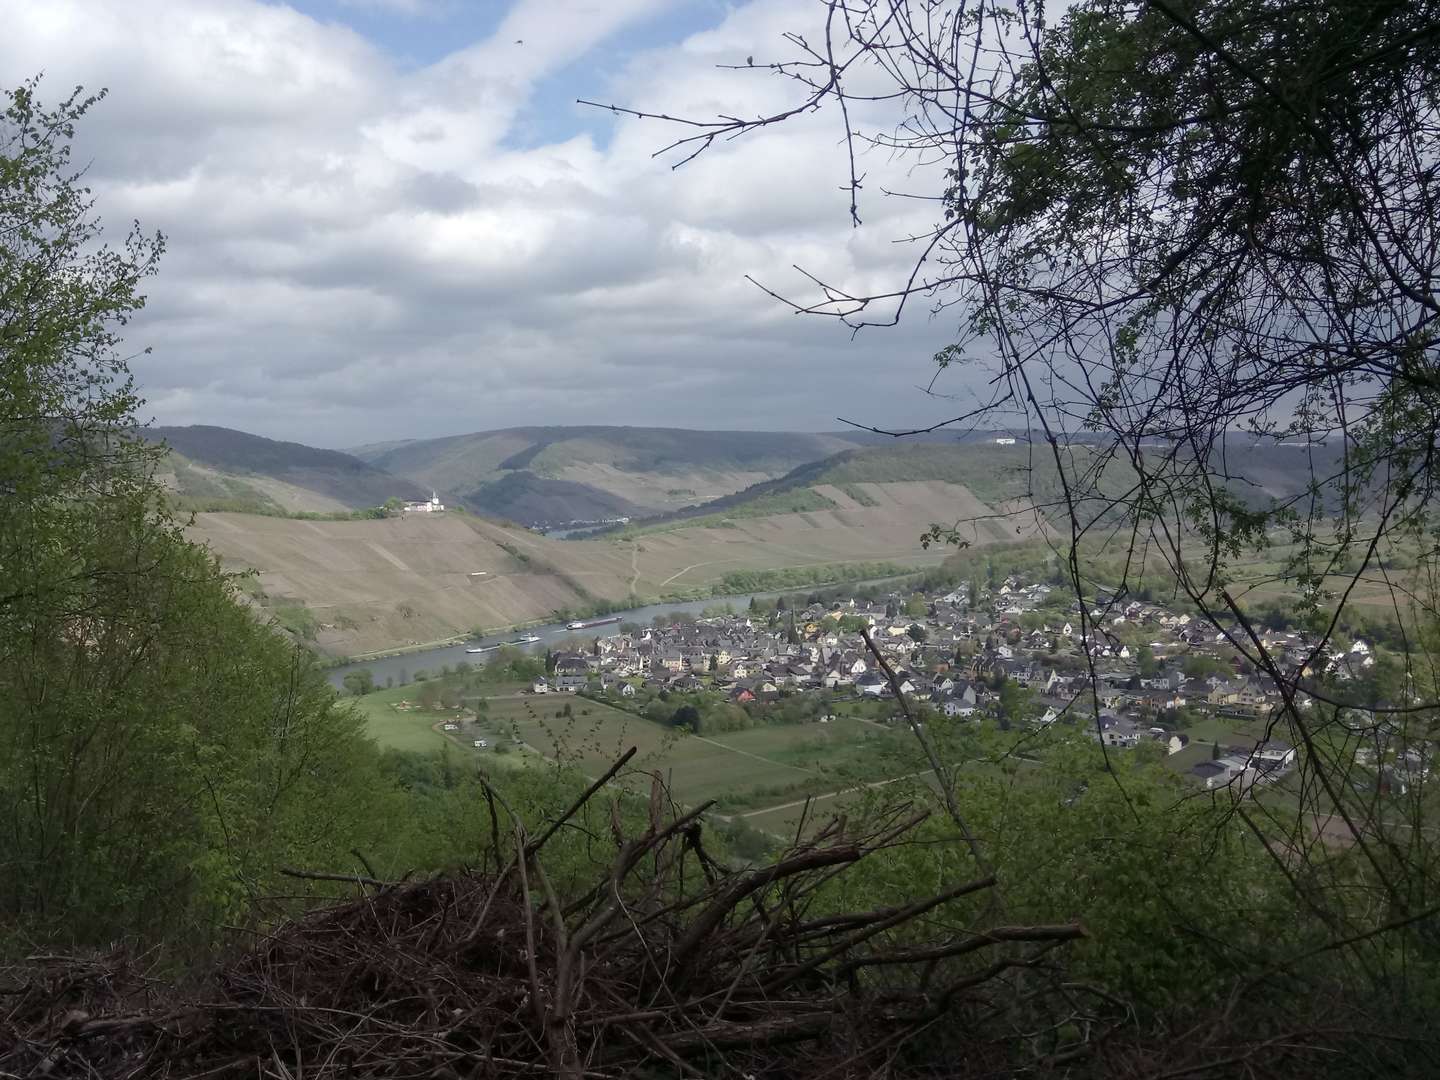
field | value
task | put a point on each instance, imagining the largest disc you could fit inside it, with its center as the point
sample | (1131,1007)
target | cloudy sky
(389,218)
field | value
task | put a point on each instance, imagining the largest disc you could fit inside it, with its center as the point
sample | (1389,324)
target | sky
(389,219)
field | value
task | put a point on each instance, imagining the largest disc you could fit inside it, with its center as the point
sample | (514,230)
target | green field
(741,769)
(394,719)
(844,742)
(595,735)
(401,729)
(744,770)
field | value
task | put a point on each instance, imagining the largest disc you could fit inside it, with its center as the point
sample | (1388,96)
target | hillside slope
(365,586)
(524,497)
(368,586)
(616,471)
(997,481)
(216,466)
(983,483)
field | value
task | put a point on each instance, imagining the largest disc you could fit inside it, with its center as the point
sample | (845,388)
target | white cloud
(359,252)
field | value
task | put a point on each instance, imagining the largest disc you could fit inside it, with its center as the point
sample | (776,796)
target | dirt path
(687,569)
(757,757)
(634,565)
(830,795)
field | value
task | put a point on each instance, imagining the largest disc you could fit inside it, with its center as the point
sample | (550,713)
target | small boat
(583,625)
(475,650)
(527,639)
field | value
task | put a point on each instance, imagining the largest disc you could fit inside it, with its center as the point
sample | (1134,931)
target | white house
(434,506)
(1274,753)
(572,673)
(872,684)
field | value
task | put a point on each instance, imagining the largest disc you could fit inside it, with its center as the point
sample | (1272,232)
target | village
(1020,657)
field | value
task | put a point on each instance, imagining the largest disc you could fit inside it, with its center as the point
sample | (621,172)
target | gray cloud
(359,253)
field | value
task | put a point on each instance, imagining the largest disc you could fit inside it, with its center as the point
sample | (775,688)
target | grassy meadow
(745,770)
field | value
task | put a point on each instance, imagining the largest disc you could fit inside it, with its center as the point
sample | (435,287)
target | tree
(1014,700)
(918,633)
(1145,662)
(1163,225)
(162,752)
(917,607)
(359,682)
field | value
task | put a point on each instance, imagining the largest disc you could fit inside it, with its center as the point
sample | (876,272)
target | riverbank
(676,601)
(400,666)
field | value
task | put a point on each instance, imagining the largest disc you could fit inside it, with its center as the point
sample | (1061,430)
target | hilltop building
(434,506)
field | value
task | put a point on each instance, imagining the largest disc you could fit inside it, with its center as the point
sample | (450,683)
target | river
(402,668)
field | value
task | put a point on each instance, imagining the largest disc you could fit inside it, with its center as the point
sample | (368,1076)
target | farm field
(392,724)
(743,769)
(695,768)
(843,748)
(783,819)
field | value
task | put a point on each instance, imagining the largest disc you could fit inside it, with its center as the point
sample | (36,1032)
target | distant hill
(1002,479)
(555,474)
(352,587)
(216,466)
(524,497)
(995,478)
(359,586)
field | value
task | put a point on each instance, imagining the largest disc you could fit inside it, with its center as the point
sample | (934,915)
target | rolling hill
(1002,484)
(551,475)
(981,481)
(364,586)
(359,586)
(220,468)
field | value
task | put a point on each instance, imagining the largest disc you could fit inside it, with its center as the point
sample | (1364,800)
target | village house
(433,506)
(572,673)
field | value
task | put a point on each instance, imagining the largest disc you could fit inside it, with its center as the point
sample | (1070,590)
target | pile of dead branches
(667,965)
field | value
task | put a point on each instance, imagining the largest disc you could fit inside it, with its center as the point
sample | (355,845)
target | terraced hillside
(362,586)
(981,485)
(551,474)
(992,485)
(354,587)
